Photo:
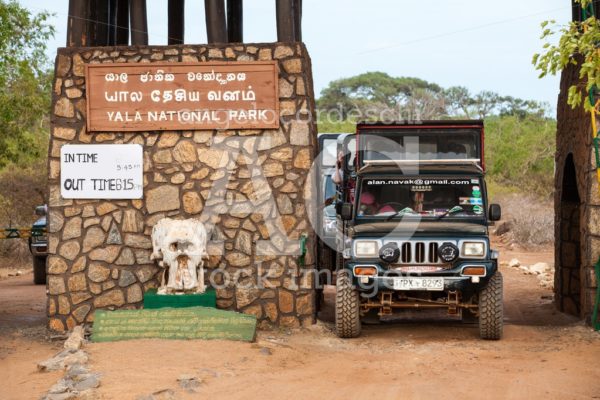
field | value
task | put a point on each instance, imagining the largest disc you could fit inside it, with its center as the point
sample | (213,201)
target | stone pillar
(577,207)
(99,251)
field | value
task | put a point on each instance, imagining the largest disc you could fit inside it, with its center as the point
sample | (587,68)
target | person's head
(367,204)
(340,159)
(367,199)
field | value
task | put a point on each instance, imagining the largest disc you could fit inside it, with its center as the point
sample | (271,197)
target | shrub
(22,190)
(519,153)
(531,219)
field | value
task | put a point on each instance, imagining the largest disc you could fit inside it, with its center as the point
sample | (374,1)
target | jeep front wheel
(347,304)
(491,309)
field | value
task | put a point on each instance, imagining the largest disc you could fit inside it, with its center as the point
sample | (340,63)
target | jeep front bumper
(454,279)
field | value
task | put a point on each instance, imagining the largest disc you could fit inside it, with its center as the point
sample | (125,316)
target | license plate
(418,283)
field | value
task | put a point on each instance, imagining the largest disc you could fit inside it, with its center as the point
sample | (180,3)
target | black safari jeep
(413,220)
(38,245)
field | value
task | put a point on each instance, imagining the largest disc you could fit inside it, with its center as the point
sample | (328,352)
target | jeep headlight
(366,248)
(473,249)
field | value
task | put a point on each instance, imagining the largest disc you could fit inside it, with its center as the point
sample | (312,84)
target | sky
(479,44)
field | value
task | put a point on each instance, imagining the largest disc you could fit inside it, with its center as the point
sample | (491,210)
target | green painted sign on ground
(173,323)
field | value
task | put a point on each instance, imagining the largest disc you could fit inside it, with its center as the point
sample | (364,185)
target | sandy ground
(544,354)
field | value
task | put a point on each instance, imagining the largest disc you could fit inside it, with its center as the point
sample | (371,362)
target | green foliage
(23,38)
(578,45)
(379,96)
(519,143)
(374,87)
(360,96)
(25,87)
(25,84)
(519,153)
(336,126)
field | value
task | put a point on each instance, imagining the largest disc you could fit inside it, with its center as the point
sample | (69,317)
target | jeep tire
(39,270)
(347,304)
(491,309)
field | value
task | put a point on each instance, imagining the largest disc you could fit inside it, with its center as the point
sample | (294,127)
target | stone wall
(577,206)
(99,251)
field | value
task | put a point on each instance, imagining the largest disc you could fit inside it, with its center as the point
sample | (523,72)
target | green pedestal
(152,300)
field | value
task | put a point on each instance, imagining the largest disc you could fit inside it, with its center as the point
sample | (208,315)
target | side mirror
(495,212)
(346,211)
(40,211)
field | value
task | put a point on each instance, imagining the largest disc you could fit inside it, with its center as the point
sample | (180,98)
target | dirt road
(544,354)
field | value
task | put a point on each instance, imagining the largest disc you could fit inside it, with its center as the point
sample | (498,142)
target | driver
(368,205)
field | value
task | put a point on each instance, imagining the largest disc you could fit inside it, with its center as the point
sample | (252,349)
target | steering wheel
(391,204)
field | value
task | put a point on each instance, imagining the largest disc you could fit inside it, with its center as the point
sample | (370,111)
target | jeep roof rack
(421,123)
(466,161)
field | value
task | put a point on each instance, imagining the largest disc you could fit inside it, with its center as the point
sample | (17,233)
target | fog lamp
(473,271)
(365,270)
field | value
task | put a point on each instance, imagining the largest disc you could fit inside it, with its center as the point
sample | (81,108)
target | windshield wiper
(406,210)
(450,211)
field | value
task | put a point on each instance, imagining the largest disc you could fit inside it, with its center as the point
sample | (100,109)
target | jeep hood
(40,223)
(422,228)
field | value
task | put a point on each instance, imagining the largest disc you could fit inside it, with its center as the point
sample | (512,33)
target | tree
(425,104)
(461,103)
(25,83)
(521,108)
(578,45)
(485,102)
(379,96)
(372,93)
(23,38)
(459,100)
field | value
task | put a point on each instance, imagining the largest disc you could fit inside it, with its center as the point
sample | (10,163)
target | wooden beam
(176,17)
(77,23)
(112,23)
(122,36)
(285,20)
(101,22)
(235,21)
(91,24)
(139,22)
(216,26)
(297,20)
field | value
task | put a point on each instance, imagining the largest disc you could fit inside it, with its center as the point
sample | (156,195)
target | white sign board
(101,171)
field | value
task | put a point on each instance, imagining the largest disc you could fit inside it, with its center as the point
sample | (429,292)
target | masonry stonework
(99,250)
(577,206)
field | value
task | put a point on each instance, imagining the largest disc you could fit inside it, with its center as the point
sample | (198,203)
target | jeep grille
(419,252)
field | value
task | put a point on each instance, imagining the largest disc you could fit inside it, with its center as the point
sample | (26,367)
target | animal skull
(180,247)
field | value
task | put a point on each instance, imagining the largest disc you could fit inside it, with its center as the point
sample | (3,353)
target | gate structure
(576,199)
(99,249)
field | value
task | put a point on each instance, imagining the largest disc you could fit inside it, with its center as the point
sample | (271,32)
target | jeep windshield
(433,198)
(437,144)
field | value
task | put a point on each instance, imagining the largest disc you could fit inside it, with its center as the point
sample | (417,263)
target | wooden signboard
(182,96)
(173,323)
